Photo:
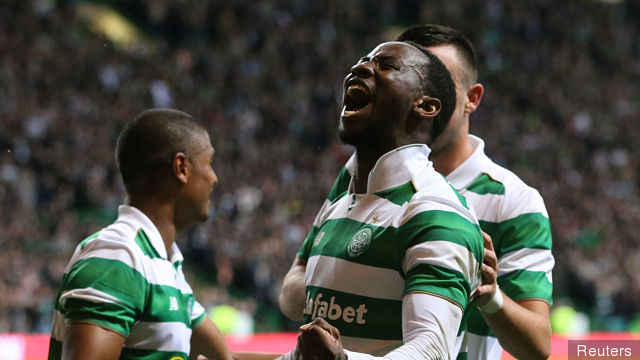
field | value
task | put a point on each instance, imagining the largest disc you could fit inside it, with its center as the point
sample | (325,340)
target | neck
(448,159)
(367,158)
(162,216)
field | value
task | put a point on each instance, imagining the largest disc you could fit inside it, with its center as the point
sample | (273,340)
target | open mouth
(356,97)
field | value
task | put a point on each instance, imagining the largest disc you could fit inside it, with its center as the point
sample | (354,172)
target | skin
(398,113)
(178,201)
(523,327)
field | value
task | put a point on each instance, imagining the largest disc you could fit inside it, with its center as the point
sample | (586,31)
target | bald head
(146,147)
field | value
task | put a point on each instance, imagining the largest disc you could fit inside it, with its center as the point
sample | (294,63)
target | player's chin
(204,214)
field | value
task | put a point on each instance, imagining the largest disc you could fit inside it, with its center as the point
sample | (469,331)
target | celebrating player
(392,261)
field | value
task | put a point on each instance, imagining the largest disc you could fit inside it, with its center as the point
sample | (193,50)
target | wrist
(494,305)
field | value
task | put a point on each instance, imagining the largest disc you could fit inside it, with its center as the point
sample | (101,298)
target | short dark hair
(434,35)
(146,146)
(440,85)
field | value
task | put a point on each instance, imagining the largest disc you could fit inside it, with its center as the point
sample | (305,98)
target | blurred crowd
(561,96)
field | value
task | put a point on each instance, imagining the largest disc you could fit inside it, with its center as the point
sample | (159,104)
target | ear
(180,167)
(426,106)
(474,96)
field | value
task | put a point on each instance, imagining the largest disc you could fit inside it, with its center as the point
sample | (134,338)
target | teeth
(346,112)
(356,87)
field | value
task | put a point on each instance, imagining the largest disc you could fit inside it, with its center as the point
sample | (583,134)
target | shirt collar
(140,219)
(394,168)
(472,167)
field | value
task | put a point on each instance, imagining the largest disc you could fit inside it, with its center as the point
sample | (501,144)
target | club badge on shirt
(360,242)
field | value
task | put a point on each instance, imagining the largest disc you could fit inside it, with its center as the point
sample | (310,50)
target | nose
(214,179)
(363,69)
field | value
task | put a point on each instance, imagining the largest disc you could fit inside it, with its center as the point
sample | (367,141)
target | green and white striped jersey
(410,232)
(515,216)
(122,279)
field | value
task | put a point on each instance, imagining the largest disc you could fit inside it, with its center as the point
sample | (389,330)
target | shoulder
(438,213)
(119,243)
(435,193)
(507,192)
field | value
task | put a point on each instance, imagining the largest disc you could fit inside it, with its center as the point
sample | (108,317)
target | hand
(489,285)
(319,341)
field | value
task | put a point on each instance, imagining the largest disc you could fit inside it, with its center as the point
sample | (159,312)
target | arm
(523,327)
(207,340)
(429,327)
(292,295)
(90,341)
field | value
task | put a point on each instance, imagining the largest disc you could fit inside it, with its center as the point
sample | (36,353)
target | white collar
(139,218)
(394,168)
(472,167)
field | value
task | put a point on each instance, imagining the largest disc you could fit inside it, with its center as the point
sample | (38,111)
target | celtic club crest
(359,242)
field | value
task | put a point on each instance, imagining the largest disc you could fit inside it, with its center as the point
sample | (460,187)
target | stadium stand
(560,109)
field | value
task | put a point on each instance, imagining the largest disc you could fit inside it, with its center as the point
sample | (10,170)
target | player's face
(202,179)
(379,93)
(457,126)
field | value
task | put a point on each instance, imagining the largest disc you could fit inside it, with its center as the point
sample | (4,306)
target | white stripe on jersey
(324,271)
(168,336)
(88,294)
(444,254)
(488,207)
(527,259)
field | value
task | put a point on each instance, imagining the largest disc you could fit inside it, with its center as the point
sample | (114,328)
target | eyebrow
(379,58)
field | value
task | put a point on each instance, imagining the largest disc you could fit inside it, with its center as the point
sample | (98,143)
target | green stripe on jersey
(145,245)
(113,277)
(484,184)
(110,276)
(357,316)
(447,283)
(340,186)
(524,284)
(89,238)
(531,231)
(476,324)
(399,194)
(55,349)
(388,245)
(307,244)
(385,250)
(444,225)
(108,315)
(461,198)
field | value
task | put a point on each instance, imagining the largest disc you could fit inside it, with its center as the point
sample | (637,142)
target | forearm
(524,333)
(422,346)
(429,329)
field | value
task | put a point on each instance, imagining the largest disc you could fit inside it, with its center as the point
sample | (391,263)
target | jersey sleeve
(523,246)
(429,327)
(197,313)
(443,256)
(104,289)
